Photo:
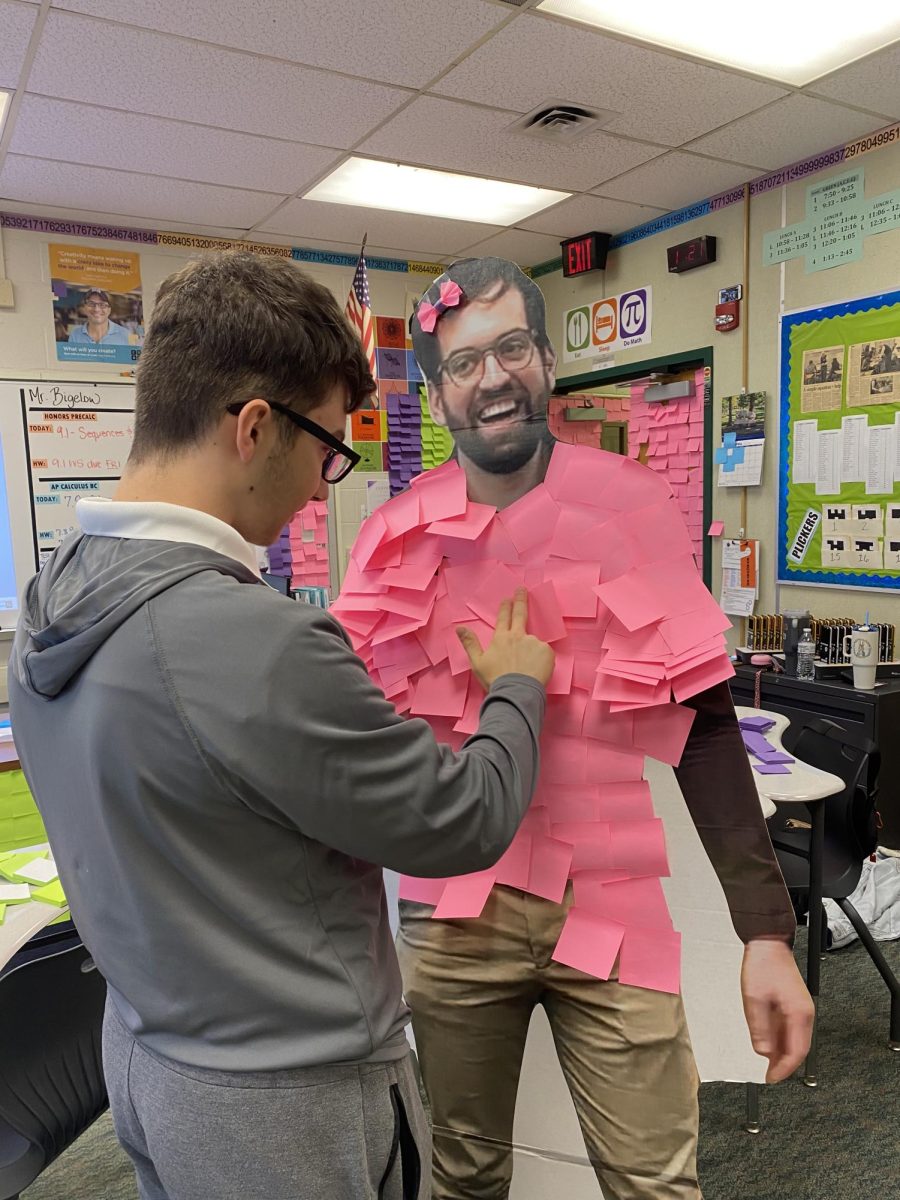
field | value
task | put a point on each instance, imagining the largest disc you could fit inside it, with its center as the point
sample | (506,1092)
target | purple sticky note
(771,769)
(757,724)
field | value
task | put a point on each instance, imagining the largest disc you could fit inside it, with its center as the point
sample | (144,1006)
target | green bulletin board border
(846,323)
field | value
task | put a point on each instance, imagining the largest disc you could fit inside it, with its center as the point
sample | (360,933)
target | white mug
(861,647)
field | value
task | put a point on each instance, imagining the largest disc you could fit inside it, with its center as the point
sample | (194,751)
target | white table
(804,785)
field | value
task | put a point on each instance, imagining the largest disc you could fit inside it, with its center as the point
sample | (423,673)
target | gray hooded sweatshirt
(222,784)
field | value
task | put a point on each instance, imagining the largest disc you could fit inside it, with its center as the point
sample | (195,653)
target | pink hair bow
(451,294)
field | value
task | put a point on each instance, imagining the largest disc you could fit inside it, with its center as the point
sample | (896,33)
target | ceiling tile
(88,188)
(97,62)
(311,219)
(381,39)
(518,245)
(659,97)
(458,137)
(582,214)
(102,137)
(16,22)
(785,132)
(871,83)
(676,180)
(53,212)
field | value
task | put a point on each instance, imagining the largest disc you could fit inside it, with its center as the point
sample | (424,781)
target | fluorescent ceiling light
(370,184)
(791,43)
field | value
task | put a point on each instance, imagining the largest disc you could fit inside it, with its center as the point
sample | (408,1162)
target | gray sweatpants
(321,1133)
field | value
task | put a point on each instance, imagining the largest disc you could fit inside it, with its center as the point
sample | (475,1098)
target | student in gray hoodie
(221,782)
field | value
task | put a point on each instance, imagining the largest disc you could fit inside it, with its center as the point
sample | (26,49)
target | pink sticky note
(601,724)
(439,693)
(639,846)
(639,901)
(493,588)
(408,575)
(536,820)
(560,683)
(407,601)
(544,618)
(401,514)
(608,764)
(702,677)
(584,672)
(551,861)
(469,526)
(514,868)
(614,687)
(464,896)
(394,626)
(716,529)
(421,891)
(662,731)
(442,496)
(628,800)
(388,554)
(564,804)
(456,651)
(563,759)
(684,632)
(532,519)
(468,722)
(590,842)
(393,684)
(589,943)
(371,535)
(651,958)
(579,473)
(574,584)
(565,713)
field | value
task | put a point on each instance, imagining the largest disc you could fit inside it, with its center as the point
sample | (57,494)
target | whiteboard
(60,440)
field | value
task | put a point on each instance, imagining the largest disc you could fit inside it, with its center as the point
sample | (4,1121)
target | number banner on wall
(98,307)
(839,478)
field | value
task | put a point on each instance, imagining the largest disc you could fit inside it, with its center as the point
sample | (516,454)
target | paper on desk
(766,768)
(760,724)
(589,943)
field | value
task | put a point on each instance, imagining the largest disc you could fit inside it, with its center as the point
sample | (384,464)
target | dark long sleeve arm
(716,780)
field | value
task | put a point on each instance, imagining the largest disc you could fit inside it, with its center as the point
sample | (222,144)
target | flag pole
(362,248)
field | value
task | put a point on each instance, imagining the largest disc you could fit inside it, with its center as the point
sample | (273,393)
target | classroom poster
(839,480)
(98,307)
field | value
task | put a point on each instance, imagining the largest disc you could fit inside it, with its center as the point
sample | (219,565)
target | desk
(808,785)
(875,714)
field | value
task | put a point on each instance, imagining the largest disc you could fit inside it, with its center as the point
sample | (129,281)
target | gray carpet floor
(835,1142)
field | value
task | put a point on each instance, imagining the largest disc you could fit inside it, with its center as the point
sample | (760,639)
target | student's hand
(512,649)
(778,1008)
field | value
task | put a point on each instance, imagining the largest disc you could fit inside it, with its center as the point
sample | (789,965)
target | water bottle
(806,656)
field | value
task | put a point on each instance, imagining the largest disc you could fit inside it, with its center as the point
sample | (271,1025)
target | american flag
(359,311)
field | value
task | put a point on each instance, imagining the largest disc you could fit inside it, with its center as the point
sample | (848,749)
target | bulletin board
(839,472)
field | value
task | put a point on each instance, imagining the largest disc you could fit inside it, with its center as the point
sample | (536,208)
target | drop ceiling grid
(204,114)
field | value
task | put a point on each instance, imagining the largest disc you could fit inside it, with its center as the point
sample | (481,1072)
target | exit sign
(584,253)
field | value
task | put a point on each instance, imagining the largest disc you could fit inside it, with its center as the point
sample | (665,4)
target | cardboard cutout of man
(573,917)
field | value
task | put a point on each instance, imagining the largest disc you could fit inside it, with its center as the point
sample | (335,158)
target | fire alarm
(728,310)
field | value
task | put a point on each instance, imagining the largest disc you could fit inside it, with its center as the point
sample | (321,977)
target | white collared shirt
(156,521)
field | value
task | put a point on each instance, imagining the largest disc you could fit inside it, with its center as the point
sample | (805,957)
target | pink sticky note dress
(601,546)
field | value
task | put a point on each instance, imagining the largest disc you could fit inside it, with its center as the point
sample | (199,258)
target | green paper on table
(11,862)
(38,871)
(51,893)
(2,912)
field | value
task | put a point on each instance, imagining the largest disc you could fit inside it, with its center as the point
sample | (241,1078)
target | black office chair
(51,1074)
(849,835)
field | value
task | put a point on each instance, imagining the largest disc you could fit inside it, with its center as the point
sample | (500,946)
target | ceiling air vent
(558,121)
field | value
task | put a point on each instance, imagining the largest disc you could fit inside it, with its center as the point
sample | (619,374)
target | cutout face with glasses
(494,381)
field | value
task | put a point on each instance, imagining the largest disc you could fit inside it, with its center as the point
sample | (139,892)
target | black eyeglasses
(340,459)
(513,351)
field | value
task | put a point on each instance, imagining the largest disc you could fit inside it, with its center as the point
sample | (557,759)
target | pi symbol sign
(633,313)
(578,329)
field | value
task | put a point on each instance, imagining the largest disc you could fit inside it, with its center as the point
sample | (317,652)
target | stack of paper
(404,417)
(308,536)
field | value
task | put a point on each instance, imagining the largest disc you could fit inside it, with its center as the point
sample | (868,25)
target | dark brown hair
(234,327)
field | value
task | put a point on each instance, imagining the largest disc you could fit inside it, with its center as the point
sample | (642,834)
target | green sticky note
(50,893)
(10,864)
